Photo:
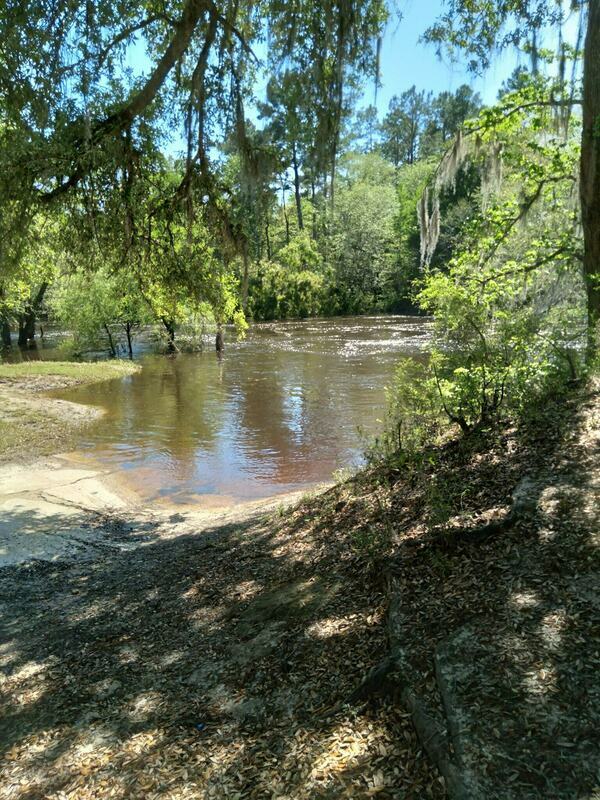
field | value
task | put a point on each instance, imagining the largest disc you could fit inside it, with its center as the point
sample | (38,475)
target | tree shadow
(505,633)
(218,661)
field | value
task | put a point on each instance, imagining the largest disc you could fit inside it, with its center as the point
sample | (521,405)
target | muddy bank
(34,424)
(56,510)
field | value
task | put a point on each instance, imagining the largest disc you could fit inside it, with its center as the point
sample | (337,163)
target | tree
(590,160)
(447,113)
(290,124)
(26,273)
(399,282)
(83,134)
(365,131)
(101,310)
(403,125)
(361,243)
(291,286)
(480,28)
(509,305)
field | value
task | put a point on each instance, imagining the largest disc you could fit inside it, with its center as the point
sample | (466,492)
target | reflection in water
(278,412)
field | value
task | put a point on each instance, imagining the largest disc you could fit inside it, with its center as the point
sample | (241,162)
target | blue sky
(406,61)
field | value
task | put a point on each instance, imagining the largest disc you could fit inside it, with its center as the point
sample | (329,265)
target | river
(280,411)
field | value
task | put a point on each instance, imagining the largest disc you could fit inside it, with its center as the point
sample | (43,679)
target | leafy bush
(288,288)
(509,308)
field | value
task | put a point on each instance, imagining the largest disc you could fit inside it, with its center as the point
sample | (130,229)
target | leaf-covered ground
(205,665)
(218,663)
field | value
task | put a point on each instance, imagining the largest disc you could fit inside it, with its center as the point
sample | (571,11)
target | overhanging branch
(119,121)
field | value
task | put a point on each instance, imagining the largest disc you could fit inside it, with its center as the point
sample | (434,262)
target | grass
(28,434)
(82,372)
(32,425)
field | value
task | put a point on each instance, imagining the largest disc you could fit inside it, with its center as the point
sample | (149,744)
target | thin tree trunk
(297,187)
(245,275)
(314,209)
(590,162)
(129,344)
(111,343)
(267,239)
(332,183)
(28,319)
(285,216)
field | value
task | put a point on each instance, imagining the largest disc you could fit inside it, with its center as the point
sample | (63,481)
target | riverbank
(33,424)
(289,654)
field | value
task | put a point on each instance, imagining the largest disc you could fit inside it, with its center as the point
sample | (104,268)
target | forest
(354,551)
(291,200)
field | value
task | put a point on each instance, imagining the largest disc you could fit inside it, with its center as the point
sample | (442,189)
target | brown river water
(281,411)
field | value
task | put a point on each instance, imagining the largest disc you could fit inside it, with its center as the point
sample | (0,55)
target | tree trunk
(26,327)
(285,216)
(245,276)
(297,187)
(24,320)
(28,319)
(129,344)
(287,225)
(590,163)
(170,329)
(332,183)
(268,239)
(5,333)
(314,212)
(111,344)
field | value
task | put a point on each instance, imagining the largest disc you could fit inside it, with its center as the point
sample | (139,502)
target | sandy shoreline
(57,509)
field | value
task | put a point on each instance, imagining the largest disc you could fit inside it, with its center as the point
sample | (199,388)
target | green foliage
(509,307)
(34,263)
(361,240)
(412,180)
(279,293)
(419,125)
(98,308)
(403,125)
(300,254)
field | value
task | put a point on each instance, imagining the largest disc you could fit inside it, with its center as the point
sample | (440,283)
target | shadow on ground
(504,635)
(211,664)
(217,663)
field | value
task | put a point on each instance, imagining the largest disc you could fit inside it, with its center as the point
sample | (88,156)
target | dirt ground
(502,637)
(184,659)
(213,663)
(32,424)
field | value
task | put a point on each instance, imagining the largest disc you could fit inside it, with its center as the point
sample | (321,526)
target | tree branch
(524,107)
(117,122)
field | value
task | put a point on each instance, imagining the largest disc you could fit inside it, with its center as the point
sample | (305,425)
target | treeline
(346,242)
(283,236)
